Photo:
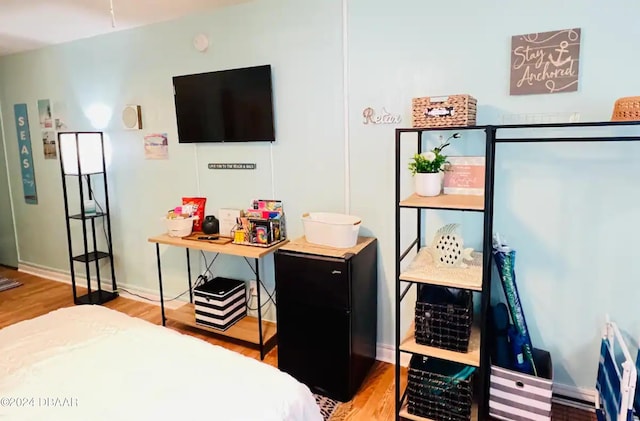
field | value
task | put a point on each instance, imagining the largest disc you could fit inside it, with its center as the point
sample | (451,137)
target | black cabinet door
(314,346)
(313,279)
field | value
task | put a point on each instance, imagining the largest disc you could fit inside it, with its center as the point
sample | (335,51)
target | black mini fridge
(327,315)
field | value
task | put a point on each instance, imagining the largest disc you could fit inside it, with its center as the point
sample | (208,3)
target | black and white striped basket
(220,303)
(515,396)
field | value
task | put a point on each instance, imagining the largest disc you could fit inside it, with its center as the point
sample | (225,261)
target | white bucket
(331,229)
(179,227)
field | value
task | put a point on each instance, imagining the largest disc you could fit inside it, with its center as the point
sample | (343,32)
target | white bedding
(100,364)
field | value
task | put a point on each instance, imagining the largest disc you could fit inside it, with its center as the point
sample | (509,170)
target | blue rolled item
(505,258)
(501,352)
(520,363)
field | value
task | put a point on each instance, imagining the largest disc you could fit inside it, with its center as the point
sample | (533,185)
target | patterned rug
(332,410)
(6,283)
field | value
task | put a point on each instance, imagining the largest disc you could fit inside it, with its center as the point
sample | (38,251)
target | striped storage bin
(220,303)
(517,396)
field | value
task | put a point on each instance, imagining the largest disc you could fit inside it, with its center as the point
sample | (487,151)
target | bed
(93,363)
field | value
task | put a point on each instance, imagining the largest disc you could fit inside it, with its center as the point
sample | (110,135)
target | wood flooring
(38,296)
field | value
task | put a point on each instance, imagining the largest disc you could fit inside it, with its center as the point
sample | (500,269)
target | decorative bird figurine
(447,248)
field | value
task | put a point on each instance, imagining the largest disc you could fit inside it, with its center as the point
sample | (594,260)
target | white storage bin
(220,303)
(179,227)
(515,396)
(331,229)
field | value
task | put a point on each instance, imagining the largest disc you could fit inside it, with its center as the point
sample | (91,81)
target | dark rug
(6,283)
(330,409)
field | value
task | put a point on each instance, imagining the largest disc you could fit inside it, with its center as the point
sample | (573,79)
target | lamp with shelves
(82,156)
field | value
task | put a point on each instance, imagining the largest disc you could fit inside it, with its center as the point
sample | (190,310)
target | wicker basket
(434,393)
(444,111)
(445,325)
(627,109)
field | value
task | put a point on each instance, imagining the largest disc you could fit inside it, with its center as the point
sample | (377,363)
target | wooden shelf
(445,201)
(472,357)
(301,245)
(246,329)
(422,270)
(251,252)
(404,413)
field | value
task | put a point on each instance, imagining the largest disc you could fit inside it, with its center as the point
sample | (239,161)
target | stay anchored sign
(545,63)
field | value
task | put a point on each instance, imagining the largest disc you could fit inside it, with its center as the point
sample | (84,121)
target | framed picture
(465,175)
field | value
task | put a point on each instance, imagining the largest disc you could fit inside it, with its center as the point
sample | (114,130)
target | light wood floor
(374,401)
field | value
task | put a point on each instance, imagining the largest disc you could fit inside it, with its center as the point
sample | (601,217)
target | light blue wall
(8,250)
(568,210)
(302,42)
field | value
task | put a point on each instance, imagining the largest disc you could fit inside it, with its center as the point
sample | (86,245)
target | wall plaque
(26,157)
(371,117)
(232,166)
(545,62)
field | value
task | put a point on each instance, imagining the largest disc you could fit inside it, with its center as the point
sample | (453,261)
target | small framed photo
(465,175)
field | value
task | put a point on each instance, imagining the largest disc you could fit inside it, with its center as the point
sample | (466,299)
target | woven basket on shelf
(440,324)
(627,109)
(438,395)
(444,111)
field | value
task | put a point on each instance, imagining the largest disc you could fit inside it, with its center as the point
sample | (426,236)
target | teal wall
(567,209)
(8,249)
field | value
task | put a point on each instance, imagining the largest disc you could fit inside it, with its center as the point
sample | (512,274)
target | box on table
(444,111)
(220,303)
(515,396)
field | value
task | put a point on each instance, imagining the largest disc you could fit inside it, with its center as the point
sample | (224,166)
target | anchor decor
(545,62)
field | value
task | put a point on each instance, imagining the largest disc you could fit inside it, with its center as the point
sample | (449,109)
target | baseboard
(387,353)
(141,294)
(577,397)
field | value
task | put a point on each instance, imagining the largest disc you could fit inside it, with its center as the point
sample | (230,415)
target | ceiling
(30,24)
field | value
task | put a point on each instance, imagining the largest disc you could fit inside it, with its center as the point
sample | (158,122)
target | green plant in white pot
(427,169)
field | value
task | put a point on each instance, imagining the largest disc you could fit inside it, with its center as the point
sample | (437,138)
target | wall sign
(370,117)
(232,166)
(545,62)
(26,157)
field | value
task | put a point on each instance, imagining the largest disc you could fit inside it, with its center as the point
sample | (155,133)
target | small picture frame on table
(464,175)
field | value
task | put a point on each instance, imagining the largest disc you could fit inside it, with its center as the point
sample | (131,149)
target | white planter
(428,184)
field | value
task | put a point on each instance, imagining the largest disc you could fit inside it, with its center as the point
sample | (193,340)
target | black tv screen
(225,106)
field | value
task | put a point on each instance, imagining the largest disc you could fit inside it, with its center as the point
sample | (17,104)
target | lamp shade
(89,147)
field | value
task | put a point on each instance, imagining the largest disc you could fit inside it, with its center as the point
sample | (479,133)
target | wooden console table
(248,329)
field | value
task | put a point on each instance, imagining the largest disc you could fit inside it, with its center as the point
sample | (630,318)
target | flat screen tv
(225,106)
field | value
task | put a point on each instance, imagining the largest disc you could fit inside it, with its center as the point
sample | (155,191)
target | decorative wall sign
(370,117)
(465,175)
(232,166)
(26,157)
(156,146)
(49,145)
(45,115)
(545,63)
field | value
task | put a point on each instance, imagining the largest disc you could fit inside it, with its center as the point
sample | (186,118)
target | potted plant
(427,169)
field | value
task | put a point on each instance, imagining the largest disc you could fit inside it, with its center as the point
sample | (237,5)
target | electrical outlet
(253,289)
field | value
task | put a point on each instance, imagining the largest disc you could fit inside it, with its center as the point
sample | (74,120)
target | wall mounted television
(225,106)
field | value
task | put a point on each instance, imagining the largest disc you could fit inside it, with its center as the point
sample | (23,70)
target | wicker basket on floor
(627,109)
(436,394)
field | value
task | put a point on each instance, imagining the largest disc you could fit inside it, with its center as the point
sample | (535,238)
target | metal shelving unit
(85,191)
(478,353)
(476,278)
